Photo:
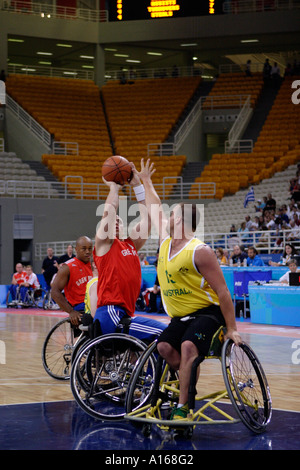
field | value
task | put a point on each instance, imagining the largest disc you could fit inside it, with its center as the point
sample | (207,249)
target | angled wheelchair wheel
(145,387)
(246,385)
(58,349)
(101,372)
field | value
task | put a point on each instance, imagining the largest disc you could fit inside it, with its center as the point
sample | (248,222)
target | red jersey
(80,275)
(21,277)
(119,276)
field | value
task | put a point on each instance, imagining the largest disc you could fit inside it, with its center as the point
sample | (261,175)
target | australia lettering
(173,292)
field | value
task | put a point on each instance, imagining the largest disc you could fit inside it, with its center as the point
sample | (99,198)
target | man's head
(236,250)
(84,249)
(184,219)
(69,250)
(29,270)
(19,267)
(292,264)
(252,252)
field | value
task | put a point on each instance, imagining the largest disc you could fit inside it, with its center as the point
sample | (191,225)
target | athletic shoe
(180,413)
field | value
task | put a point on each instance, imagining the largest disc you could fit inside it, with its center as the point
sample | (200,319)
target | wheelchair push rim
(101,373)
(247,386)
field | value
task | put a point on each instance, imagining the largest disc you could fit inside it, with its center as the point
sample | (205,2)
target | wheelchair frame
(101,372)
(249,395)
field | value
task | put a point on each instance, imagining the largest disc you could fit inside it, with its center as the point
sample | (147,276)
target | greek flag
(249,196)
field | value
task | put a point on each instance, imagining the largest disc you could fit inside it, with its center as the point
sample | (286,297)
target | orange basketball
(117,169)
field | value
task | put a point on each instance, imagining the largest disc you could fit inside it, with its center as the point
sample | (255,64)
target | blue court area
(63,426)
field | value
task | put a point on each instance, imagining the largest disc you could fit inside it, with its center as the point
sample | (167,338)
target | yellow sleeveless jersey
(183,289)
(87,300)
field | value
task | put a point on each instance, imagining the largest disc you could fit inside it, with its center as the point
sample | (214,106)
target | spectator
(154,295)
(238,256)
(49,266)
(222,260)
(294,232)
(289,252)
(275,74)
(143,259)
(260,205)
(32,281)
(243,231)
(68,255)
(248,68)
(253,258)
(18,282)
(292,264)
(270,203)
(267,72)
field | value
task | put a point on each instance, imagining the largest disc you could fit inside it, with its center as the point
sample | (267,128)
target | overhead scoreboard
(126,10)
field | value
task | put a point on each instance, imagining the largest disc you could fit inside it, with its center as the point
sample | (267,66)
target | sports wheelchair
(101,372)
(60,345)
(99,366)
(150,402)
(31,298)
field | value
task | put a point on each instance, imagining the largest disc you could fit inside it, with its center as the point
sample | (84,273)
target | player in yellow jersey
(193,288)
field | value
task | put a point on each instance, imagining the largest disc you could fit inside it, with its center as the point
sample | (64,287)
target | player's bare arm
(107,228)
(153,203)
(207,264)
(140,232)
(58,284)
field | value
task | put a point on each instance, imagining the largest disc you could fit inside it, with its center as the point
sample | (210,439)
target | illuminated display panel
(126,10)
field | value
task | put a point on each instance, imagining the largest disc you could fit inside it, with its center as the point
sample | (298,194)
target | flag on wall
(249,196)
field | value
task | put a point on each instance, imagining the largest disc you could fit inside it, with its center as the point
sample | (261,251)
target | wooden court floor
(23,379)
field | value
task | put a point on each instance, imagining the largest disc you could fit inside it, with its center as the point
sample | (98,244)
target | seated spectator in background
(292,264)
(222,260)
(288,253)
(267,71)
(68,255)
(260,205)
(154,293)
(49,267)
(253,258)
(243,231)
(232,230)
(18,282)
(143,260)
(238,256)
(33,281)
(294,232)
(248,222)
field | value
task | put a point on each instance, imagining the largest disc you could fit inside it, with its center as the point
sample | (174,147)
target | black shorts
(198,327)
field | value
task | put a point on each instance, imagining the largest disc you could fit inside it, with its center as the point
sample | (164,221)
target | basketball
(117,169)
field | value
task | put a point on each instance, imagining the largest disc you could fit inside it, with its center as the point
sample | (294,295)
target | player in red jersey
(72,278)
(119,268)
(18,283)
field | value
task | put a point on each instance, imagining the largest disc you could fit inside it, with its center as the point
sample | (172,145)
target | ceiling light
(28,70)
(64,45)
(43,62)
(249,40)
(110,49)
(121,55)
(134,61)
(154,53)
(44,53)
(189,44)
(87,66)
(15,40)
(70,73)
(195,58)
(87,57)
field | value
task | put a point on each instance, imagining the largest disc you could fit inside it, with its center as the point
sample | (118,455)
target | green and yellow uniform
(184,290)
